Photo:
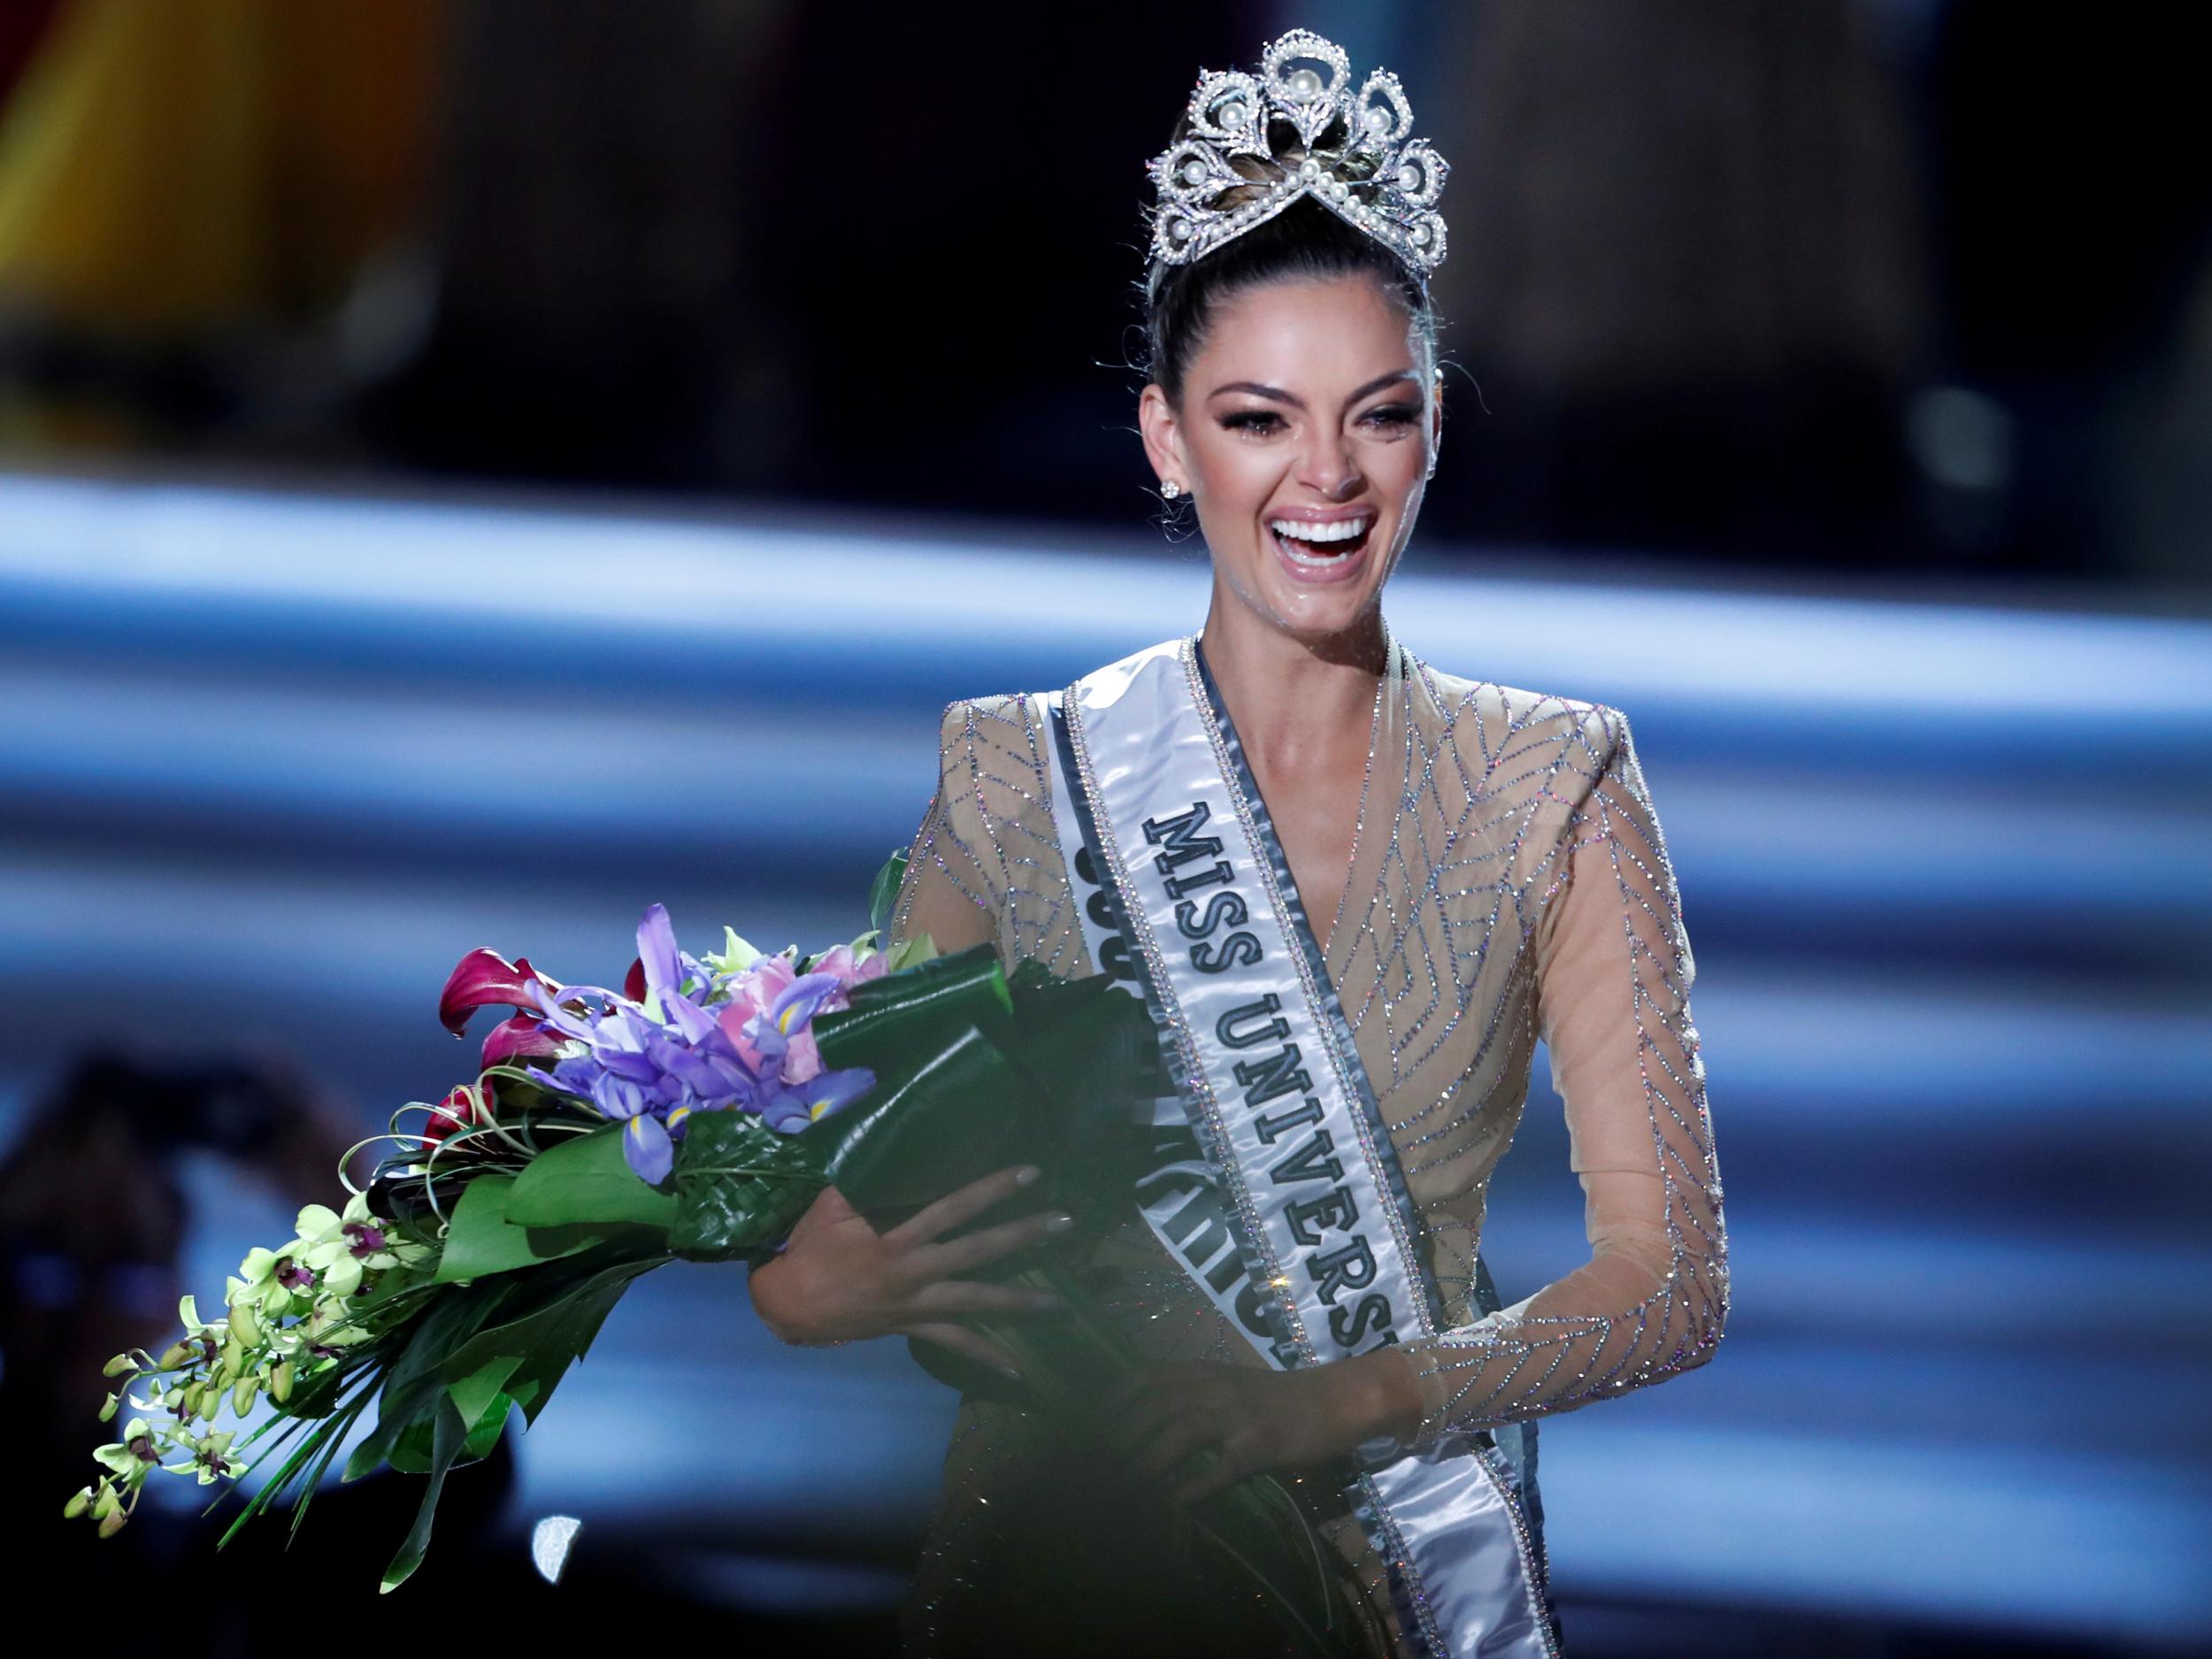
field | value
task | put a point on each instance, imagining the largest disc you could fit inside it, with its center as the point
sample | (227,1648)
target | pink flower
(802,1060)
(771,1012)
(751,995)
(849,969)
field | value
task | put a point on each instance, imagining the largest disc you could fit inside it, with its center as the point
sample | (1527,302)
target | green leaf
(316,1395)
(474,1391)
(481,1240)
(546,1339)
(896,1025)
(911,953)
(410,1454)
(883,893)
(484,1432)
(411,1388)
(948,1122)
(449,1440)
(585,1181)
(739,1186)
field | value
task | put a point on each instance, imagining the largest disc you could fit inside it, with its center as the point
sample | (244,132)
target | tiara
(1360,160)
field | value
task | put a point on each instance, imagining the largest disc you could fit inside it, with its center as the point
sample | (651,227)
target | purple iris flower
(650,1063)
(650,1074)
(788,1108)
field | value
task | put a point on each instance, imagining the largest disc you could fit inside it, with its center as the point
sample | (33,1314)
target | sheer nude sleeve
(1614,970)
(986,867)
(949,891)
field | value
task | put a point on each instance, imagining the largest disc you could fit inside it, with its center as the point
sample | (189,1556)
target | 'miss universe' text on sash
(1283,1172)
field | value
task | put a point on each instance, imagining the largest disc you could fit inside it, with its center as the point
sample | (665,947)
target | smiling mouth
(1321,547)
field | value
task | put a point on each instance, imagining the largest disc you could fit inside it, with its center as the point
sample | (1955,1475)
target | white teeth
(1341,530)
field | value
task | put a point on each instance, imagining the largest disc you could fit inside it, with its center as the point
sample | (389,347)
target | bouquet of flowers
(693,1115)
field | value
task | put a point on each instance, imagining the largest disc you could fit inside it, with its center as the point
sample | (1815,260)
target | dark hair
(1304,243)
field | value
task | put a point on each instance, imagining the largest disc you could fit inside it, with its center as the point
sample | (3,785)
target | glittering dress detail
(1510,880)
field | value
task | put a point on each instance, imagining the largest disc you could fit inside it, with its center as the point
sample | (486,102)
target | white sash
(1277,1190)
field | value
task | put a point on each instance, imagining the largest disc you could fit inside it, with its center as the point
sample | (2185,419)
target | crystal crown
(1297,117)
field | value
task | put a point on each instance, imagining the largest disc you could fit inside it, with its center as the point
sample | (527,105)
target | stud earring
(1170,489)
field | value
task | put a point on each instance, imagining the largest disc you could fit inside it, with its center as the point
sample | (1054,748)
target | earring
(1170,489)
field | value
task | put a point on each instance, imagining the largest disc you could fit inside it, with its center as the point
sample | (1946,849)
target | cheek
(1237,473)
(1398,464)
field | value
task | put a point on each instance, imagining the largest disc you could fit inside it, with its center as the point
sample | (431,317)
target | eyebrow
(1281,397)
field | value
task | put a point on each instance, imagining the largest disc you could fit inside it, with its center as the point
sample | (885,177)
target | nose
(1329,467)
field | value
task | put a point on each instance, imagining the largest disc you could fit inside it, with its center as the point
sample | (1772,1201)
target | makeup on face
(1307,432)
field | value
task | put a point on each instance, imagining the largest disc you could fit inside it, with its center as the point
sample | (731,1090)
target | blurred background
(470,468)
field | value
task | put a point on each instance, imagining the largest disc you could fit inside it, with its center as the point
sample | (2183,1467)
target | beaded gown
(1510,880)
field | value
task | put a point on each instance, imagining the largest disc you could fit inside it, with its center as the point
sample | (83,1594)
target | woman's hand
(1258,1419)
(839,1279)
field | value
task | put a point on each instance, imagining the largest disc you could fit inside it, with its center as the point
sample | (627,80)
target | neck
(1294,697)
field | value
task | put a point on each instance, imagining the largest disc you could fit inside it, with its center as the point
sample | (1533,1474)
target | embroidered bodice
(1510,880)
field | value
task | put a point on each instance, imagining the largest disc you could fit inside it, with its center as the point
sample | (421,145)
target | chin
(1315,599)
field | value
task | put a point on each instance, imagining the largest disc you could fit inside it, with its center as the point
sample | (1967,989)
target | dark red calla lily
(521,1038)
(633,982)
(484,979)
(455,1113)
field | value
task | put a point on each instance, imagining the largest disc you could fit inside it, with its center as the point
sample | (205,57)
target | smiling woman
(1353,890)
(1305,428)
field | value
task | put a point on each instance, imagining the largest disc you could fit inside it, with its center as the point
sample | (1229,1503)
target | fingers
(972,1250)
(1239,1457)
(1134,1423)
(1146,1379)
(1164,1405)
(1177,1439)
(951,1296)
(973,1344)
(962,1205)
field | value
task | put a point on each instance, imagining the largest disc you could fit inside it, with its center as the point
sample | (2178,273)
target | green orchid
(100,1501)
(327,1329)
(272,1282)
(132,1456)
(341,1247)
(201,1342)
(211,1458)
(735,956)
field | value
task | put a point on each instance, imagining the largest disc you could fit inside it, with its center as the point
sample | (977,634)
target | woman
(1354,890)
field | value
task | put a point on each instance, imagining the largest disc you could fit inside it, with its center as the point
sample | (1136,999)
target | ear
(1436,418)
(1163,436)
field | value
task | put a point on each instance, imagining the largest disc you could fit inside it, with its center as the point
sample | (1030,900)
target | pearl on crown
(1304,83)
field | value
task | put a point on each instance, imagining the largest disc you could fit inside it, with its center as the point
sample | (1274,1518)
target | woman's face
(1308,421)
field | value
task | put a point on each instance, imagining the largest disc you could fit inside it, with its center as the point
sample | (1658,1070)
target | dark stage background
(468,470)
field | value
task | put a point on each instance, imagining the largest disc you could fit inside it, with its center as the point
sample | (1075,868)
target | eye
(1254,422)
(1389,415)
